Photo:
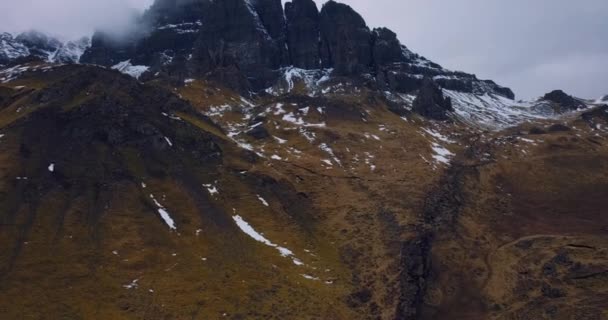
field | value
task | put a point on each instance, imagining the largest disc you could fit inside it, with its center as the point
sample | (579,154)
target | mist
(71,19)
(531,46)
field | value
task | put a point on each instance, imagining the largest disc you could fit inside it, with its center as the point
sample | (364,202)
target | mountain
(238,159)
(251,43)
(34,44)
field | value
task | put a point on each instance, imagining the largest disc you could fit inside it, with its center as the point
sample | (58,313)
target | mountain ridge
(158,184)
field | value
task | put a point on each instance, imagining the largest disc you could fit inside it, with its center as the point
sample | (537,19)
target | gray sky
(532,46)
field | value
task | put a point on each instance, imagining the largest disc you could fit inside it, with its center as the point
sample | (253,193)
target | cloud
(69,19)
(530,46)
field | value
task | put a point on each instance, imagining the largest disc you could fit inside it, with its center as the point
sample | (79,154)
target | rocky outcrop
(346,41)
(303,34)
(252,41)
(387,49)
(563,100)
(233,34)
(431,103)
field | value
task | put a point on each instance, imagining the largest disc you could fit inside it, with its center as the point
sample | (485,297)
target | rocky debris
(431,103)
(303,34)
(564,101)
(415,270)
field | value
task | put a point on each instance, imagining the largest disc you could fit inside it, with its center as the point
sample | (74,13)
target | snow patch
(127,68)
(441,154)
(263,201)
(248,229)
(164,214)
(211,189)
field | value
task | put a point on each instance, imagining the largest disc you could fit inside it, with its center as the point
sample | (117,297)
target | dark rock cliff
(245,44)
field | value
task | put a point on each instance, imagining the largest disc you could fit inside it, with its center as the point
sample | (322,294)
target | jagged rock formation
(245,45)
(563,101)
(346,42)
(431,103)
(303,34)
(178,193)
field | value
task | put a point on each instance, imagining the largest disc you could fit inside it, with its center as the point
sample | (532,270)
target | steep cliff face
(229,162)
(345,40)
(303,34)
(247,45)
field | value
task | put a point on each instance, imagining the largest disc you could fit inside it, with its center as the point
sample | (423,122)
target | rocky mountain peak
(38,45)
(248,45)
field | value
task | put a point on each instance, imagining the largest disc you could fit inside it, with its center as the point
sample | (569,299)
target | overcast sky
(532,46)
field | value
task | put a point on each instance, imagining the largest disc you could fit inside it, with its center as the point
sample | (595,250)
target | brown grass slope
(513,228)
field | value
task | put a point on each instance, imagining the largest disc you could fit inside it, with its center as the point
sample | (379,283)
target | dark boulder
(413,278)
(303,34)
(430,102)
(345,40)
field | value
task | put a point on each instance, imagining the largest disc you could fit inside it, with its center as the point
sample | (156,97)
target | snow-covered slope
(40,45)
(10,49)
(71,51)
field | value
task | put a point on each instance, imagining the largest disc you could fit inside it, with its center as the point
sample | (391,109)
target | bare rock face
(303,34)
(346,40)
(563,100)
(387,48)
(246,44)
(233,34)
(431,103)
